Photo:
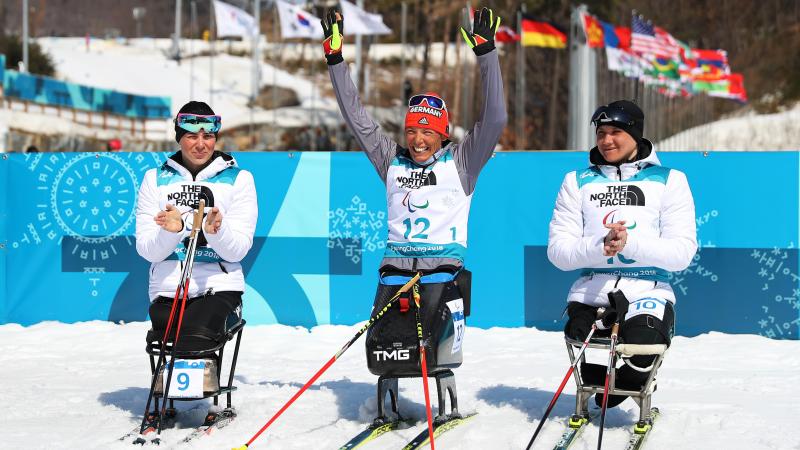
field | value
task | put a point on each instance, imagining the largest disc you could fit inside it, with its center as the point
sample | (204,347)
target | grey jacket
(470,155)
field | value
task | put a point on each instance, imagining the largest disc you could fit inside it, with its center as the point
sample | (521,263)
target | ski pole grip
(198,216)
(410,283)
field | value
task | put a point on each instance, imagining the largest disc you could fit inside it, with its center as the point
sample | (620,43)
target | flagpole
(254,76)
(274,70)
(212,38)
(582,83)
(403,43)
(360,4)
(193,32)
(25,36)
(176,40)
(519,110)
(551,132)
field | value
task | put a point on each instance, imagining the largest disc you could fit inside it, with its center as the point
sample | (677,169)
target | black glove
(606,319)
(481,39)
(333,28)
(619,303)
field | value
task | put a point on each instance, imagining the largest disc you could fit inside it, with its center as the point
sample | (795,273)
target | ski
(439,427)
(575,427)
(151,424)
(377,429)
(213,422)
(641,430)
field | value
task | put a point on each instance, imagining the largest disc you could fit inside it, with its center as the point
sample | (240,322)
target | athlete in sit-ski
(166,198)
(626,222)
(429,185)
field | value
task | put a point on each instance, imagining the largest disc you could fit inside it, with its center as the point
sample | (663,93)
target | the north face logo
(416,179)
(423,121)
(618,195)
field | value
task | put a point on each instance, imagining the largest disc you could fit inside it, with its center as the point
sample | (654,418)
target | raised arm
(379,147)
(478,145)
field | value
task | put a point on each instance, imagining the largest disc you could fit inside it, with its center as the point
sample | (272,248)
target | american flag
(648,40)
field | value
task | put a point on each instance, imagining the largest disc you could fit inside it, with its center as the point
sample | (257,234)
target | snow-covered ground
(83,385)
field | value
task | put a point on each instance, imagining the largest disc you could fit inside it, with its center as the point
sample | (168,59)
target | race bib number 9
(187,378)
(648,305)
(459,324)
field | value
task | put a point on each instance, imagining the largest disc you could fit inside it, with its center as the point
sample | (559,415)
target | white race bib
(647,305)
(187,378)
(459,324)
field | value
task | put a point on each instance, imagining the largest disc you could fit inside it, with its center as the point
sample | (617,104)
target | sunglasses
(432,101)
(607,116)
(193,123)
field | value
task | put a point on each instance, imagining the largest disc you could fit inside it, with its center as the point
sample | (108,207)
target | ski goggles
(193,123)
(432,101)
(606,115)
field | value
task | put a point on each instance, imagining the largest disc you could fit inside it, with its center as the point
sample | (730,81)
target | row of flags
(653,55)
(643,51)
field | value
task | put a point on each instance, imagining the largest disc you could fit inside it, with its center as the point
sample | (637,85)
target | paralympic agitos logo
(615,216)
(412,207)
(619,195)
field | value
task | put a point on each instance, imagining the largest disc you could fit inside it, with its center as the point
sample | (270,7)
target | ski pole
(193,237)
(561,386)
(330,362)
(611,361)
(162,350)
(423,363)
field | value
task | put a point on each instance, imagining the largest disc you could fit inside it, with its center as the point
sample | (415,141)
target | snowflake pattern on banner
(356,229)
(696,268)
(774,266)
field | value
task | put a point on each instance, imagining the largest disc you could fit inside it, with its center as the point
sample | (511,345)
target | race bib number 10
(459,324)
(648,305)
(187,378)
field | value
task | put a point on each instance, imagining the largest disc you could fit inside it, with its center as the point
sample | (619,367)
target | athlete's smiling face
(196,149)
(422,143)
(615,144)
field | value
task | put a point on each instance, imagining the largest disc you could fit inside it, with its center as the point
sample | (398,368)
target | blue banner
(69,249)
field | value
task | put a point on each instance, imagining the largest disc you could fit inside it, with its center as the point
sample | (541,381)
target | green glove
(333,27)
(481,39)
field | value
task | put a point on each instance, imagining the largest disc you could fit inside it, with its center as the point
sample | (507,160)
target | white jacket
(224,185)
(658,208)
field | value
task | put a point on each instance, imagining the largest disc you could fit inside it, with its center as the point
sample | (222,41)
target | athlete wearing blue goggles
(193,123)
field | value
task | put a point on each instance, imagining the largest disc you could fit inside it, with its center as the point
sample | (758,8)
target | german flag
(542,34)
